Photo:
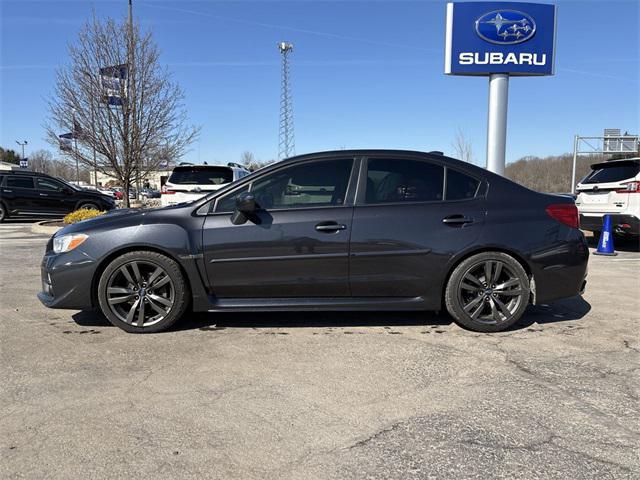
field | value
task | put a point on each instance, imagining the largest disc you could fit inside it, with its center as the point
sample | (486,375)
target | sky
(365,74)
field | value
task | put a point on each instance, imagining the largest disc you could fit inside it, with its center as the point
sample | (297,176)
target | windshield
(201,175)
(615,172)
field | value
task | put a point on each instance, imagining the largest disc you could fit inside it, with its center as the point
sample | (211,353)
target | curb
(42,227)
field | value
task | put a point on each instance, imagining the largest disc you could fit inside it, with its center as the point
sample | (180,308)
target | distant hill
(550,174)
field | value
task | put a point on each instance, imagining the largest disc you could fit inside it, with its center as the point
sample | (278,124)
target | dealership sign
(483,38)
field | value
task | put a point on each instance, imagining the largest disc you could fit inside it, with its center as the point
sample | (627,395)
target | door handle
(44,195)
(330,227)
(456,220)
(8,191)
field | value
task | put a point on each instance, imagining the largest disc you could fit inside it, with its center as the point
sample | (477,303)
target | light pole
(22,144)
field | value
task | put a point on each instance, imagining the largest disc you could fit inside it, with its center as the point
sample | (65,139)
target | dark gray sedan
(345,230)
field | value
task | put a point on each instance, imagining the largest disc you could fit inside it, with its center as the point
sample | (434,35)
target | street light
(22,144)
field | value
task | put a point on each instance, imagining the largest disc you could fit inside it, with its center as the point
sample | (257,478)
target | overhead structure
(286,142)
(611,143)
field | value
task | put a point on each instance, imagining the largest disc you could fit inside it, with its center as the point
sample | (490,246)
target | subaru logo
(505,27)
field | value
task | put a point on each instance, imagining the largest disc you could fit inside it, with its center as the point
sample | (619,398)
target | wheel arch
(512,253)
(127,249)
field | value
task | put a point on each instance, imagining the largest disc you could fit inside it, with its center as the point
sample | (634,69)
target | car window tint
(315,184)
(391,180)
(20,182)
(201,175)
(460,186)
(613,173)
(228,202)
(48,184)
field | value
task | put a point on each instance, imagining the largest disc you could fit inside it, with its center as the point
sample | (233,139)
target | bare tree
(248,159)
(43,161)
(125,114)
(462,147)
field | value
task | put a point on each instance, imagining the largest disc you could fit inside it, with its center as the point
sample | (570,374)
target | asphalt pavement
(320,395)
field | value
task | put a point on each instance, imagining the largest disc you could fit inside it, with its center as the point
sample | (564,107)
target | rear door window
(19,182)
(201,175)
(613,173)
(460,186)
(49,184)
(392,180)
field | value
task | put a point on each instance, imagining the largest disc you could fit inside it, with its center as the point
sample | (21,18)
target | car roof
(203,167)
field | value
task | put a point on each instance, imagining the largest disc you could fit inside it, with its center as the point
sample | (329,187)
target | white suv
(190,182)
(611,187)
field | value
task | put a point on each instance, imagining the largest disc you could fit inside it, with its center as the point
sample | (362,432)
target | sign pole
(497,122)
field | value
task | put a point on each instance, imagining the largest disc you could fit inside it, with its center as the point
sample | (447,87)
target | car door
(54,196)
(408,223)
(295,245)
(19,193)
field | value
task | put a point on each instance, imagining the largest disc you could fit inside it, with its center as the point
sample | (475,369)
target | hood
(104,220)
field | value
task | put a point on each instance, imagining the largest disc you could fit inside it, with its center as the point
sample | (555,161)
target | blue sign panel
(500,37)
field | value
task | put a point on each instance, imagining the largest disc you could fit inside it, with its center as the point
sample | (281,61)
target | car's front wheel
(143,292)
(488,292)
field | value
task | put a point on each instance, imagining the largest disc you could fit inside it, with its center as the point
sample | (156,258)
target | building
(155,179)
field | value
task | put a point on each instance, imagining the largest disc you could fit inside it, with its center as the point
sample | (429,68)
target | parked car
(31,193)
(149,193)
(346,230)
(118,193)
(190,182)
(102,190)
(611,188)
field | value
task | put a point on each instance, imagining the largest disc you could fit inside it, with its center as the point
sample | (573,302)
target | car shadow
(567,310)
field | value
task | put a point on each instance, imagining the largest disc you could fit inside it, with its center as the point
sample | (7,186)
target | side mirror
(246,203)
(67,191)
(245,206)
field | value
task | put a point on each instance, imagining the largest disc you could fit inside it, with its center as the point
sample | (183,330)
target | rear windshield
(612,173)
(201,175)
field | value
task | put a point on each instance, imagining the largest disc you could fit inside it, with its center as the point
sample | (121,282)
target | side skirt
(336,304)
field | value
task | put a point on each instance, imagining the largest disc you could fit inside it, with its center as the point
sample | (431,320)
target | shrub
(79,215)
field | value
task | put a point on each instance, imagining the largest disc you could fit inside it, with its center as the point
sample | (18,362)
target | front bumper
(621,223)
(67,280)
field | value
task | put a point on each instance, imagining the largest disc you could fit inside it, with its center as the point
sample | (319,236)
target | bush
(79,215)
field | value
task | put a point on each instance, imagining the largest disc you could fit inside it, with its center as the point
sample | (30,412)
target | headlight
(66,243)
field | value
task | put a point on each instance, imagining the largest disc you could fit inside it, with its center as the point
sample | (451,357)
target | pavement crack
(376,435)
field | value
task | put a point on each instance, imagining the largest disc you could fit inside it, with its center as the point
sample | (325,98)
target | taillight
(166,191)
(566,213)
(631,187)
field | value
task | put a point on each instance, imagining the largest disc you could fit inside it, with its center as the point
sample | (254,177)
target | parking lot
(320,395)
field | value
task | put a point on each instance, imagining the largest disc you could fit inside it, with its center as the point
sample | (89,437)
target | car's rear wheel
(143,292)
(488,292)
(88,206)
(3,213)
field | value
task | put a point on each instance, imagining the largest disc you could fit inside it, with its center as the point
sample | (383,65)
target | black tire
(88,206)
(126,276)
(487,306)
(3,213)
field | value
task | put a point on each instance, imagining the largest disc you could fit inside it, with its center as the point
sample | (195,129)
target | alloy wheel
(140,293)
(490,292)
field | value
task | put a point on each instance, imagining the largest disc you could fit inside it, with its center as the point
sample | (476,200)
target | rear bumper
(622,223)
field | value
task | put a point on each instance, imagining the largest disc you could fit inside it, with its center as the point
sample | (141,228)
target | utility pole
(131,100)
(286,142)
(22,144)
